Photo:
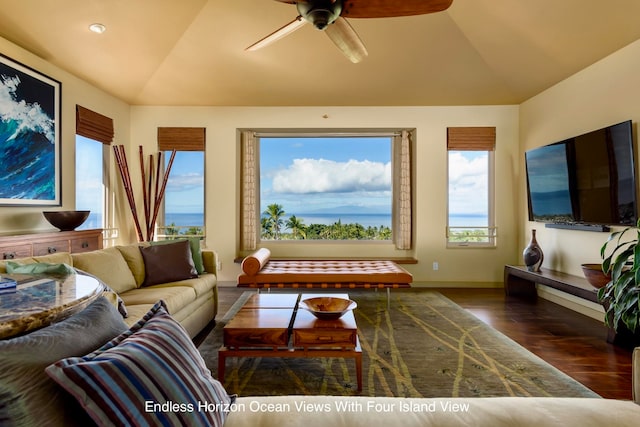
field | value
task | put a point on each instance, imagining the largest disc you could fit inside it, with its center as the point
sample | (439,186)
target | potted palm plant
(621,296)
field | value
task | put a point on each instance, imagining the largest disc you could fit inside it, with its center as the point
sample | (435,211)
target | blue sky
(185,190)
(468,183)
(307,175)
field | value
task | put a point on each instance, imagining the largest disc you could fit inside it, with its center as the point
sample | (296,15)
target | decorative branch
(149,181)
(121,160)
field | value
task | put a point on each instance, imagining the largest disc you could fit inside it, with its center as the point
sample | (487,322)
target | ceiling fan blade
(278,34)
(345,37)
(386,8)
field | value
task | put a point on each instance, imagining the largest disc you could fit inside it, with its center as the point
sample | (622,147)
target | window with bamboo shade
(183,206)
(471,181)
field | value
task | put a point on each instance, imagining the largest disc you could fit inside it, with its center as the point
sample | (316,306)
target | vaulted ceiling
(191,52)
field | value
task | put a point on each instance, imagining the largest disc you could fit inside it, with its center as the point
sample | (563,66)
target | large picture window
(340,186)
(325,188)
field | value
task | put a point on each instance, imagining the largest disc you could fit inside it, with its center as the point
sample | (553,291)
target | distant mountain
(352,209)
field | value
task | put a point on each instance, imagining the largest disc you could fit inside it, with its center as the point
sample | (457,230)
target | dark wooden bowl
(328,308)
(595,275)
(66,220)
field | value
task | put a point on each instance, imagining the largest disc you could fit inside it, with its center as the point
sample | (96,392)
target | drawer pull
(85,244)
(9,255)
(325,338)
(52,249)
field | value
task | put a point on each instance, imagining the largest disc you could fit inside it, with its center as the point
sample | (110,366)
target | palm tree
(266,229)
(298,229)
(274,222)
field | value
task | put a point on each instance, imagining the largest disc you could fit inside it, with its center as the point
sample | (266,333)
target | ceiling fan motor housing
(320,13)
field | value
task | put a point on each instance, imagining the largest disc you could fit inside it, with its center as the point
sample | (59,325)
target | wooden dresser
(35,244)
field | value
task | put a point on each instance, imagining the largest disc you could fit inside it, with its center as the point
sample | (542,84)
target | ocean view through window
(326,188)
(184,196)
(91,181)
(470,219)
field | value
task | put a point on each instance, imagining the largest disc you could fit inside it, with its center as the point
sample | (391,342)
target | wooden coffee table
(271,325)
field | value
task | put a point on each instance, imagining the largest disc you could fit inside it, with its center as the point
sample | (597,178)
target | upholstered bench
(259,271)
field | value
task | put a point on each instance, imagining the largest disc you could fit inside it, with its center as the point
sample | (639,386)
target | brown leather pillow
(168,263)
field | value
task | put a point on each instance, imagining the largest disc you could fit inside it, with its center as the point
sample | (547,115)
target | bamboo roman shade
(471,138)
(181,138)
(93,125)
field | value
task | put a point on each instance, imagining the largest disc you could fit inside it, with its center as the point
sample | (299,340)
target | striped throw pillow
(150,375)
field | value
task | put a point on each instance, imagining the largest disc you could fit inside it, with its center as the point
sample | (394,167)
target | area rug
(417,344)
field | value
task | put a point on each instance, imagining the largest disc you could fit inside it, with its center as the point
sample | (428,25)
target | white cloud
(468,184)
(306,176)
(185,182)
(28,116)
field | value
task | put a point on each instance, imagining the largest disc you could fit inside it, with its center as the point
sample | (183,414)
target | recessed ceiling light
(97,28)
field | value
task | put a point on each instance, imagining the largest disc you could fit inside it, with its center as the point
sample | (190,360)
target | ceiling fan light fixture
(320,13)
(320,18)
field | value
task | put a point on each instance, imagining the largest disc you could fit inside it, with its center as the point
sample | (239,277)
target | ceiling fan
(329,16)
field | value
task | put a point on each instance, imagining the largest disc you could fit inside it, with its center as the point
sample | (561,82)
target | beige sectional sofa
(29,396)
(193,301)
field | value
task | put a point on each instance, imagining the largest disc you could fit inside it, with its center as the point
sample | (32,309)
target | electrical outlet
(435,266)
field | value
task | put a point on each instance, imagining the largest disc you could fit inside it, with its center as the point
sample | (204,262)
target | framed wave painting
(29,136)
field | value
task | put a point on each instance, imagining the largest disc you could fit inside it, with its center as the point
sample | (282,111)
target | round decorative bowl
(328,308)
(595,275)
(66,220)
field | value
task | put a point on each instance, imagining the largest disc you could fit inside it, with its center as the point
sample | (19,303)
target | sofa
(94,368)
(177,272)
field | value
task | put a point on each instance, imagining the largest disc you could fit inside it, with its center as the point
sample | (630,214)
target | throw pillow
(28,397)
(150,375)
(56,258)
(253,263)
(168,263)
(133,257)
(39,268)
(196,251)
(107,265)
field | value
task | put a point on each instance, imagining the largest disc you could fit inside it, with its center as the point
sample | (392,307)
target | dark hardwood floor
(574,343)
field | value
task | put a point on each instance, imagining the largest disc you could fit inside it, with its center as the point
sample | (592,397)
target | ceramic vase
(532,254)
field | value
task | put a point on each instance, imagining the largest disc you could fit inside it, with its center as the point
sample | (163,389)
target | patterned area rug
(423,345)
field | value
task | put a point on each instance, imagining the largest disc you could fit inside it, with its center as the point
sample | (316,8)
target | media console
(520,282)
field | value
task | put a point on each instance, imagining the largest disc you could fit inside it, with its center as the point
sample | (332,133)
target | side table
(41,300)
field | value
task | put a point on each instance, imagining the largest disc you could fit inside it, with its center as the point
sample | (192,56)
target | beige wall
(136,126)
(605,93)
(15,220)
(477,266)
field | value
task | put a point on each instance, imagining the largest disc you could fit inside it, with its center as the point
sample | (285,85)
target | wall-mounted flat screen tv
(588,179)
